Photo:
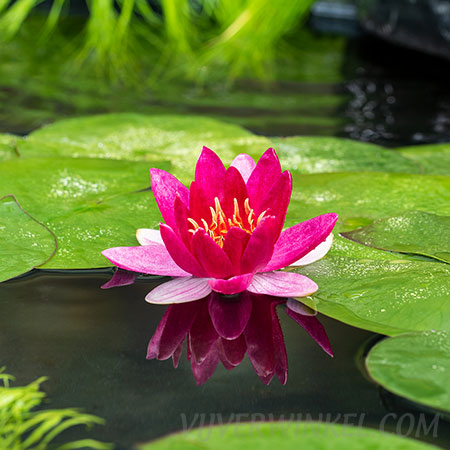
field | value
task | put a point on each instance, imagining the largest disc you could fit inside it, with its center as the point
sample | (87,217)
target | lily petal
(212,258)
(230,315)
(300,308)
(204,371)
(146,236)
(234,245)
(281,362)
(210,175)
(179,290)
(282,284)
(120,278)
(234,285)
(314,328)
(232,352)
(245,164)
(165,187)
(318,253)
(153,259)
(299,240)
(266,171)
(259,249)
(179,253)
(234,189)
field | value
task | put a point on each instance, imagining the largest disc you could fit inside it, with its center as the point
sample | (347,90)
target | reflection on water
(223,329)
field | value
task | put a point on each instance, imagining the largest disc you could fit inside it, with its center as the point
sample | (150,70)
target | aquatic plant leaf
(284,436)
(88,203)
(25,243)
(178,139)
(360,198)
(8,146)
(329,154)
(412,232)
(387,297)
(415,366)
(434,159)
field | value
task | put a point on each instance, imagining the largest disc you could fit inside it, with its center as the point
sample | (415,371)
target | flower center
(220,224)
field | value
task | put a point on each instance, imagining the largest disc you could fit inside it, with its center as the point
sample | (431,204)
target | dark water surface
(92,345)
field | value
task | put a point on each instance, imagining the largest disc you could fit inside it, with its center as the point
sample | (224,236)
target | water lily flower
(225,234)
(219,329)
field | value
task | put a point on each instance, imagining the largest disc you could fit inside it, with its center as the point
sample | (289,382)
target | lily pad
(412,232)
(361,198)
(415,366)
(178,139)
(25,242)
(284,436)
(387,297)
(434,159)
(8,146)
(329,154)
(90,204)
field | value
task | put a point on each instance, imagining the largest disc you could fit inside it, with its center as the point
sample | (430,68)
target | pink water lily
(225,233)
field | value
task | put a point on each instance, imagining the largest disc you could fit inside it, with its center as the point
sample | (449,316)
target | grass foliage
(23,427)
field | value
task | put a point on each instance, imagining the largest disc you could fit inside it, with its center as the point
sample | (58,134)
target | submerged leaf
(415,366)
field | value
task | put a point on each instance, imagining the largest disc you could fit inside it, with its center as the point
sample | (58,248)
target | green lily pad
(361,198)
(25,242)
(415,366)
(178,139)
(284,436)
(412,232)
(8,146)
(329,154)
(90,204)
(388,297)
(434,159)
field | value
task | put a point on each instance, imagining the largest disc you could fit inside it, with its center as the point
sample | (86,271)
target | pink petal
(318,253)
(199,204)
(232,352)
(202,335)
(234,245)
(276,200)
(153,259)
(177,354)
(172,330)
(300,308)
(259,249)
(181,214)
(282,284)
(120,278)
(179,253)
(266,171)
(258,338)
(146,236)
(245,164)
(299,240)
(234,285)
(314,328)
(230,315)
(210,175)
(234,189)
(203,372)
(212,258)
(165,187)
(179,290)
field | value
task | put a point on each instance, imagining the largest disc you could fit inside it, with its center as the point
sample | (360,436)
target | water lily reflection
(223,329)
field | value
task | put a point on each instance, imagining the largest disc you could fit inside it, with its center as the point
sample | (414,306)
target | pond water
(91,343)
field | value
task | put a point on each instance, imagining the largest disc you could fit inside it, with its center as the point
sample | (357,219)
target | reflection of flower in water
(222,329)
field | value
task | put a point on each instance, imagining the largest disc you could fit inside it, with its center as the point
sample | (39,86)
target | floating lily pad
(284,436)
(88,203)
(25,243)
(415,366)
(361,198)
(8,146)
(434,159)
(178,139)
(387,297)
(329,154)
(412,232)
